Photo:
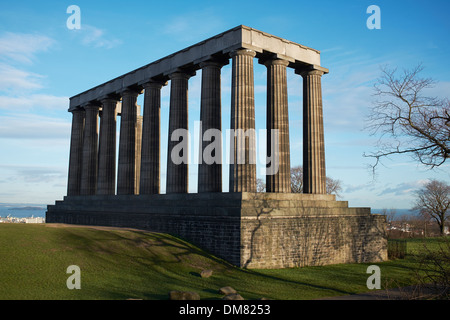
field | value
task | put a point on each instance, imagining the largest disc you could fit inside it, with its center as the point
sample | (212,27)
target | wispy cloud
(15,80)
(33,127)
(359,187)
(95,37)
(22,47)
(29,102)
(404,188)
(348,89)
(32,174)
(191,26)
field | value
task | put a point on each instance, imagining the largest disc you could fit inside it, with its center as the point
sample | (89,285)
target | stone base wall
(246,229)
(312,240)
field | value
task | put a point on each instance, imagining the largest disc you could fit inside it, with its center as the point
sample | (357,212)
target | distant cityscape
(22,213)
(31,219)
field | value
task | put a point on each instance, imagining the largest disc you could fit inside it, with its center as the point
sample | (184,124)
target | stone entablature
(221,45)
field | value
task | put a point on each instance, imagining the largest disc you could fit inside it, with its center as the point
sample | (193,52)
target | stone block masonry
(276,229)
(252,230)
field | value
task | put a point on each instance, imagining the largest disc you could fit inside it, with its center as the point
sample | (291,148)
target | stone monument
(275,229)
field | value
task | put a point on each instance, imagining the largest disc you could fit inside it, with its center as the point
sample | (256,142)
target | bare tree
(297,179)
(260,185)
(333,186)
(433,201)
(390,214)
(407,121)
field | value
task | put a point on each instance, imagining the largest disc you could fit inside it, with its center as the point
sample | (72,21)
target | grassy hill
(123,263)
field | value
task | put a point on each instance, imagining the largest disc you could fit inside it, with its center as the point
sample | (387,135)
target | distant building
(31,219)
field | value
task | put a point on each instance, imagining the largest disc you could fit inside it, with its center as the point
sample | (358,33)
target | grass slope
(123,263)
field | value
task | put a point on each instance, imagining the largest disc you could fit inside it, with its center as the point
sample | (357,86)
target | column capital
(109,98)
(91,106)
(311,70)
(179,74)
(275,61)
(217,63)
(77,110)
(134,92)
(109,102)
(154,84)
(243,52)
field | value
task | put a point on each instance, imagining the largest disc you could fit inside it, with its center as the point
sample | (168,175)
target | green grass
(122,264)
(419,245)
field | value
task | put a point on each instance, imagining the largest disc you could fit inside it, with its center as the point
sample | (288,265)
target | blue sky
(43,63)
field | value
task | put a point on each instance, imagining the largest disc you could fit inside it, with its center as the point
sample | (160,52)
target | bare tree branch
(407,121)
(333,186)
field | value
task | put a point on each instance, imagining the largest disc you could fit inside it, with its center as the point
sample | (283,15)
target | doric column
(76,153)
(137,170)
(90,151)
(177,158)
(210,168)
(151,135)
(106,182)
(126,171)
(278,176)
(243,152)
(314,178)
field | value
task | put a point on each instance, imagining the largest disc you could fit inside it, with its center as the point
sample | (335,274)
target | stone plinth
(253,230)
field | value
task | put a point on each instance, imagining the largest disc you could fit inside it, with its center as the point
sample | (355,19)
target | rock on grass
(183,295)
(227,290)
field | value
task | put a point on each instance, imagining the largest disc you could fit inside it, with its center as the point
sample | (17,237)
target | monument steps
(249,205)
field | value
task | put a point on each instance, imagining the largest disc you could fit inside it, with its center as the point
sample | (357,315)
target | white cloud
(27,103)
(32,174)
(359,187)
(32,183)
(95,37)
(15,80)
(21,47)
(33,127)
(404,188)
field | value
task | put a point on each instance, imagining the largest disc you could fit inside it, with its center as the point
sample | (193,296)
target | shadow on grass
(165,263)
(160,262)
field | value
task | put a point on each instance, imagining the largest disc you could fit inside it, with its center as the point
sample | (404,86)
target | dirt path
(405,293)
